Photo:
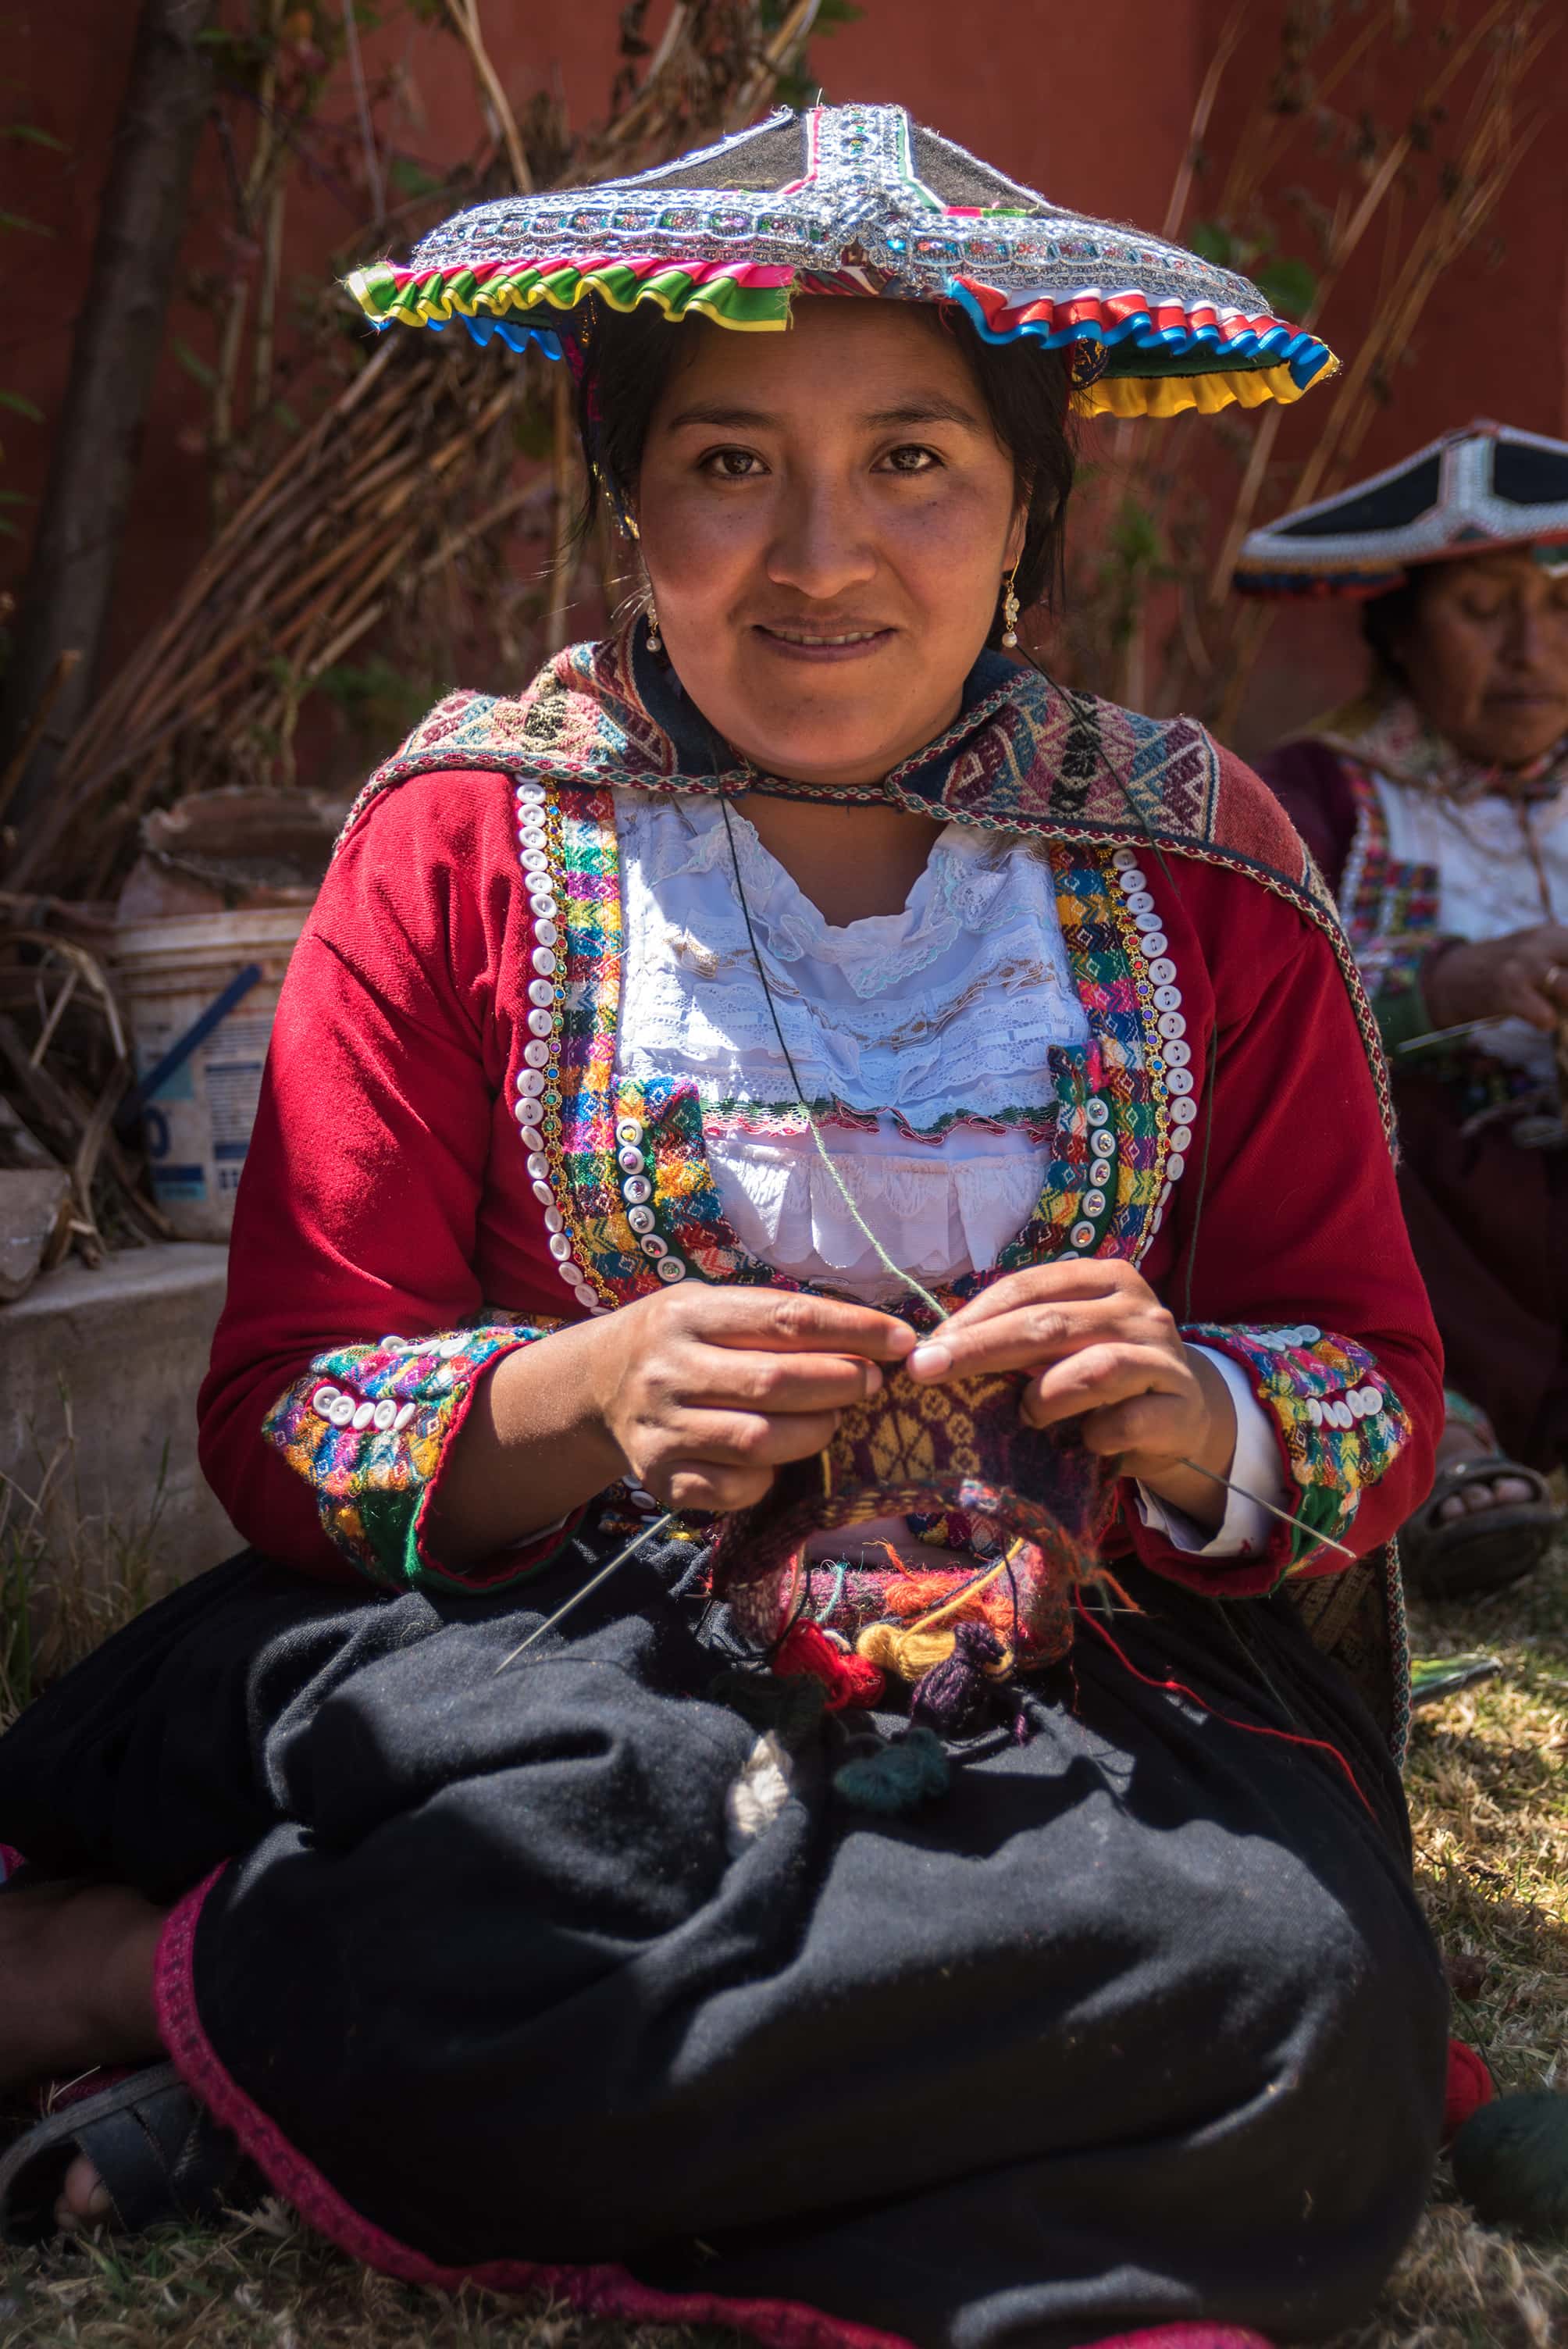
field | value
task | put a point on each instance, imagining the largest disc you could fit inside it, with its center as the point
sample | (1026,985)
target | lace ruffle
(950,1007)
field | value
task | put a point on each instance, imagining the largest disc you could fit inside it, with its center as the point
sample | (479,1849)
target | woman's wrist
(533,1446)
(1194,1481)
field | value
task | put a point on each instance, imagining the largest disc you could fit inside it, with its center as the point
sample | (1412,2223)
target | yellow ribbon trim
(1173,395)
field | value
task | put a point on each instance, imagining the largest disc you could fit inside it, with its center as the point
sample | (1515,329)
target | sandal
(1485,1548)
(158,2152)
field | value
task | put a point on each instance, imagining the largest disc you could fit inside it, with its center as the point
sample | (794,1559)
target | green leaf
(411,179)
(834,12)
(1290,286)
(34,228)
(20,407)
(193,363)
(32,136)
(13,498)
(1213,242)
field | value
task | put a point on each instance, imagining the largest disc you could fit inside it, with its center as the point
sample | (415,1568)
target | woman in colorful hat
(806,1373)
(1437,808)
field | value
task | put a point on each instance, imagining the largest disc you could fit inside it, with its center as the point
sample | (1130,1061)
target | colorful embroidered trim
(620,1167)
(367,1427)
(1108,1179)
(1390,908)
(1268,359)
(1341,1424)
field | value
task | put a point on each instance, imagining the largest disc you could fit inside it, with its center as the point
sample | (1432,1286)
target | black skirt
(1138,2022)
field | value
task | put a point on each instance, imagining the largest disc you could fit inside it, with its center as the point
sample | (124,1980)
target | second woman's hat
(1474,492)
(857,199)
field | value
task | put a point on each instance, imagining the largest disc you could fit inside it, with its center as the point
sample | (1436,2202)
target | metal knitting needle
(1230,1486)
(1446,1035)
(593,1583)
(1227,1483)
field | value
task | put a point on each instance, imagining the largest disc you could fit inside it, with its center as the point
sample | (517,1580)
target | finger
(1035,1334)
(714,1491)
(1144,1426)
(1099,1377)
(733,1439)
(1044,1284)
(779,1321)
(721,1377)
(1531,1002)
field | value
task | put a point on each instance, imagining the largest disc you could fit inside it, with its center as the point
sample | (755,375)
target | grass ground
(1489,1790)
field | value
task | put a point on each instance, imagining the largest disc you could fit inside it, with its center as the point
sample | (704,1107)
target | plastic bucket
(197,1118)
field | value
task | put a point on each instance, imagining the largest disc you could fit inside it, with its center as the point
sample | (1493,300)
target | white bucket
(197,1124)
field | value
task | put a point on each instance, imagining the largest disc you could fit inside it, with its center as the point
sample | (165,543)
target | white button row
(342,1410)
(1343,1411)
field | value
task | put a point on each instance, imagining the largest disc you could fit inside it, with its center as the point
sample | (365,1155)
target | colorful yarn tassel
(958,1696)
(899,1778)
(847,1679)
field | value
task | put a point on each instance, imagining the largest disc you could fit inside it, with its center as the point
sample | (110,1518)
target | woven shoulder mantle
(1026,755)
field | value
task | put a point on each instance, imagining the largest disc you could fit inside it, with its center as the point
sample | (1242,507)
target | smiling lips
(799,643)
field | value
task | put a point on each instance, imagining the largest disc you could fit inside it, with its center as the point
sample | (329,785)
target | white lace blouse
(921,1039)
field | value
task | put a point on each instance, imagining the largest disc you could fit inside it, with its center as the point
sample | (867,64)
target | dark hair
(627,362)
(1387,620)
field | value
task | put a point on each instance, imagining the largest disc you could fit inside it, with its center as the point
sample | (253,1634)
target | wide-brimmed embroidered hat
(1471,492)
(857,199)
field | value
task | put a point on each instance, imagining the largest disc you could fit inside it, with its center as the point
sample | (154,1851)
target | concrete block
(99,1374)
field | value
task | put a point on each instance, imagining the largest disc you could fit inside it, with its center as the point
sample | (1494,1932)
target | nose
(821,546)
(1528,643)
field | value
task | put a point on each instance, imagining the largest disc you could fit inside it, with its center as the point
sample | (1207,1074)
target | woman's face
(826,515)
(1487,657)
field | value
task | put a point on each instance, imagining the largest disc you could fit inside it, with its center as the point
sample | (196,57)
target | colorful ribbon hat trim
(857,199)
(1472,491)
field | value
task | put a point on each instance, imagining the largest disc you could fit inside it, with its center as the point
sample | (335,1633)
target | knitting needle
(1446,1035)
(577,1596)
(1229,1485)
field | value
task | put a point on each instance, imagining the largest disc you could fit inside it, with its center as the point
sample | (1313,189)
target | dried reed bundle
(413,465)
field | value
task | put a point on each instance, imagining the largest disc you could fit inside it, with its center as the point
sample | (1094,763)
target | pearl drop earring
(1010,608)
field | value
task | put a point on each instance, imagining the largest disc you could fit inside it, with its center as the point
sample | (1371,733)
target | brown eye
(731,465)
(911,459)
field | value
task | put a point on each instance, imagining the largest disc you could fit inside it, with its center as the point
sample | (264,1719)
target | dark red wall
(1091,104)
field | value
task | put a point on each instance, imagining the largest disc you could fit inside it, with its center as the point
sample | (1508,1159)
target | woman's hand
(705,1391)
(1524,975)
(1099,1342)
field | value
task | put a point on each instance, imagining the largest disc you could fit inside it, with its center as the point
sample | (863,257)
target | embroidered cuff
(367,1428)
(1245,1529)
(1338,1423)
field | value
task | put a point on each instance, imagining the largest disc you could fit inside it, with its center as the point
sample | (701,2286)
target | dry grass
(1488,1787)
